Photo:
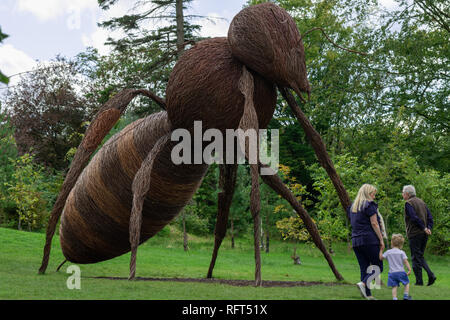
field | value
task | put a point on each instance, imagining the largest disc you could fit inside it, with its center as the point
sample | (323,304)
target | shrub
(32,192)
(389,173)
(8,152)
(195,224)
(23,192)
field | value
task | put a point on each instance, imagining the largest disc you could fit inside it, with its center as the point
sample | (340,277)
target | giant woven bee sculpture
(131,189)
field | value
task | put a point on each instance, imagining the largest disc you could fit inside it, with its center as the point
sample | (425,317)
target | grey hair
(409,189)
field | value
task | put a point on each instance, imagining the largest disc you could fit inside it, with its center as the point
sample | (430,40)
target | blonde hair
(397,240)
(363,196)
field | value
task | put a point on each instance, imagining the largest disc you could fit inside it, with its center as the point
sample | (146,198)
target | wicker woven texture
(203,86)
(266,39)
(131,188)
(95,221)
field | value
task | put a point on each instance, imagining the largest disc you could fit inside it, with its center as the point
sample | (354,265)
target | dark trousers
(367,256)
(417,245)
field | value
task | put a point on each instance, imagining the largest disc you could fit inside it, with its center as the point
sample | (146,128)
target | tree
(293,228)
(414,57)
(8,153)
(155,35)
(48,109)
(389,172)
(171,38)
(30,193)
(435,13)
(3,78)
(240,219)
(8,149)
(23,191)
(406,66)
(205,198)
(133,67)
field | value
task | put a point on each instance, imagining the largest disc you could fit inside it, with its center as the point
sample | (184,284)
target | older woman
(367,239)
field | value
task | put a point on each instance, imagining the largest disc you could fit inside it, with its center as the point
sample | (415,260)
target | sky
(39,30)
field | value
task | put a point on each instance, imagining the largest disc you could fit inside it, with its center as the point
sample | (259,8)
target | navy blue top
(410,212)
(362,231)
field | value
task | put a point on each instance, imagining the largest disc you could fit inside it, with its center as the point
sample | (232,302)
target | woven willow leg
(249,121)
(319,147)
(227,183)
(140,187)
(279,187)
(102,123)
(255,208)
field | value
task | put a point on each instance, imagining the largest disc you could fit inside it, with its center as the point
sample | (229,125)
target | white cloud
(13,61)
(216,26)
(50,9)
(389,4)
(98,36)
(221,13)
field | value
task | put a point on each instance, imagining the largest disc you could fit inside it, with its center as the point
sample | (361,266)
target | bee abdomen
(95,221)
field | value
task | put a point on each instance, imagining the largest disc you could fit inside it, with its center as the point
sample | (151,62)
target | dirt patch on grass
(239,283)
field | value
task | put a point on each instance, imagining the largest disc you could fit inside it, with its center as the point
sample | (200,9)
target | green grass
(164,257)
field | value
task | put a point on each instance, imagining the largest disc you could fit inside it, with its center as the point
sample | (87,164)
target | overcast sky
(41,29)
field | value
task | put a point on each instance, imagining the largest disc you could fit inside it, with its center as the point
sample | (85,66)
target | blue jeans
(368,255)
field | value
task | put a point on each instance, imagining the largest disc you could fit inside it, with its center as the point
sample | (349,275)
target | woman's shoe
(362,289)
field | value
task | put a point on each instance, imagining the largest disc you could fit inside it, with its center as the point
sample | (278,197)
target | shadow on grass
(239,283)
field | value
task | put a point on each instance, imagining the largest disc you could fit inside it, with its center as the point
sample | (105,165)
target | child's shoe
(407,297)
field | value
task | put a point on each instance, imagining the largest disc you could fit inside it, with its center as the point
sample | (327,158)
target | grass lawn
(164,257)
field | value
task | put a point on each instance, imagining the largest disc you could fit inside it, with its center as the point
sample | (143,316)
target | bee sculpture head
(266,39)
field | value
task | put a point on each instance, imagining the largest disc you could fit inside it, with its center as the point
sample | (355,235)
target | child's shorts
(395,278)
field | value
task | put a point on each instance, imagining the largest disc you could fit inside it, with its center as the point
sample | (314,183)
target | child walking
(397,258)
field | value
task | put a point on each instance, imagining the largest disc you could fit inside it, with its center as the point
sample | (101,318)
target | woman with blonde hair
(367,238)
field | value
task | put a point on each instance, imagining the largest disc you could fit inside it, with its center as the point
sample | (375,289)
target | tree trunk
(232,232)
(180,27)
(295,257)
(185,238)
(267,232)
(262,237)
